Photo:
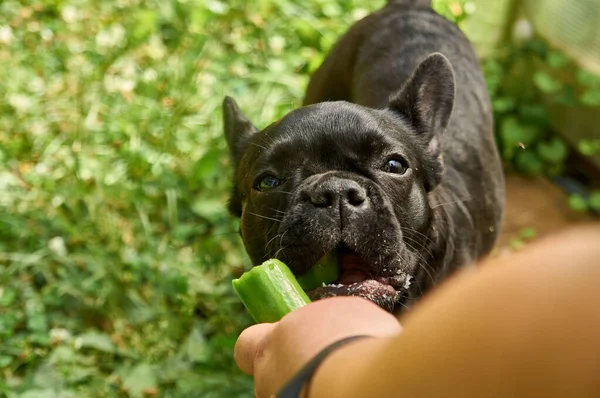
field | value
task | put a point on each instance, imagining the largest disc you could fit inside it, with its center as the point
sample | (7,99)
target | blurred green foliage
(116,249)
(528,79)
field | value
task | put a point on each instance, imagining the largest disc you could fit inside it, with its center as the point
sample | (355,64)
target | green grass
(116,249)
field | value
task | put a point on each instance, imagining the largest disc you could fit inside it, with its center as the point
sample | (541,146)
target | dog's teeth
(332,285)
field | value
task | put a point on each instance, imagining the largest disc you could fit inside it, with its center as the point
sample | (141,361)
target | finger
(249,346)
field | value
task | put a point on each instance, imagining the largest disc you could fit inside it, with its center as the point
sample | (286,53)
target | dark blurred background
(116,249)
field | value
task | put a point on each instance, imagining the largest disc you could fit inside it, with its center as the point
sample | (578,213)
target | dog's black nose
(331,192)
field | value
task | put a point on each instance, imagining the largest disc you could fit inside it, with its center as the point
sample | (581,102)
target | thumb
(250,345)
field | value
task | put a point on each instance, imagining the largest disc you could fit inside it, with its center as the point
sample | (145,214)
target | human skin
(526,325)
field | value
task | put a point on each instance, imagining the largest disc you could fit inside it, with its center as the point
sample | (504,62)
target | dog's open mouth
(357,278)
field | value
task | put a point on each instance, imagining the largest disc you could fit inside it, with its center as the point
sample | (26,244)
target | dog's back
(372,61)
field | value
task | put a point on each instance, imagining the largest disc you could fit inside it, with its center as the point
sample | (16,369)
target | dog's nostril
(334,192)
(356,197)
(322,199)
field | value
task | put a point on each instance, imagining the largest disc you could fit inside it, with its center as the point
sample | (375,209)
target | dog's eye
(395,166)
(267,182)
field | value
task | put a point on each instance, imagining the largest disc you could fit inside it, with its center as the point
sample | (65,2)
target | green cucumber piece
(270,291)
(324,272)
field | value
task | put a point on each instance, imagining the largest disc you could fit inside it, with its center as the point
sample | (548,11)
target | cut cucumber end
(270,291)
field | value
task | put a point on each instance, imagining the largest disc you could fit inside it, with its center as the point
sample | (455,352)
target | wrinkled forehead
(336,131)
(332,120)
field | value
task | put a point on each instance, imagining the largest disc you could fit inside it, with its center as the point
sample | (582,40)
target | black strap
(293,388)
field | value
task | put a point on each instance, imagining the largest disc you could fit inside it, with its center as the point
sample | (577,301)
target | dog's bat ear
(238,128)
(426,100)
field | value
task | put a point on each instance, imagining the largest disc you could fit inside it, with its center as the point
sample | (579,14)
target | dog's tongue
(353,269)
(357,280)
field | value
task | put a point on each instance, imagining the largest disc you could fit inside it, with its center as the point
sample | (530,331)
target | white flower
(523,30)
(111,37)
(57,246)
(46,34)
(149,75)
(69,14)
(121,77)
(6,34)
(20,102)
(59,335)
(37,85)
(38,128)
(41,168)
(470,7)
(117,172)
(57,201)
(155,48)
(277,43)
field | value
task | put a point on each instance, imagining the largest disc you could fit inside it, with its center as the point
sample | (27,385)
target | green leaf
(589,147)
(515,134)
(197,347)
(554,151)
(529,163)
(7,296)
(40,393)
(591,98)
(503,104)
(63,354)
(96,341)
(224,341)
(535,114)
(40,339)
(578,203)
(307,33)
(10,320)
(494,72)
(140,379)
(37,322)
(546,83)
(5,360)
(145,23)
(217,7)
(176,285)
(587,78)
(557,60)
(211,209)
(331,10)
(210,165)
(594,200)
(538,47)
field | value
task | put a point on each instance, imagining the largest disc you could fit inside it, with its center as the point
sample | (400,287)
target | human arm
(525,327)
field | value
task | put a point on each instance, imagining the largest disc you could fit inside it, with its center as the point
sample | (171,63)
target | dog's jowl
(390,166)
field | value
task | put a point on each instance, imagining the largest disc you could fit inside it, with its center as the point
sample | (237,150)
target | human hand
(274,352)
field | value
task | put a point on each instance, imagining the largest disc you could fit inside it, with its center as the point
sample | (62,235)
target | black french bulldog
(391,164)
